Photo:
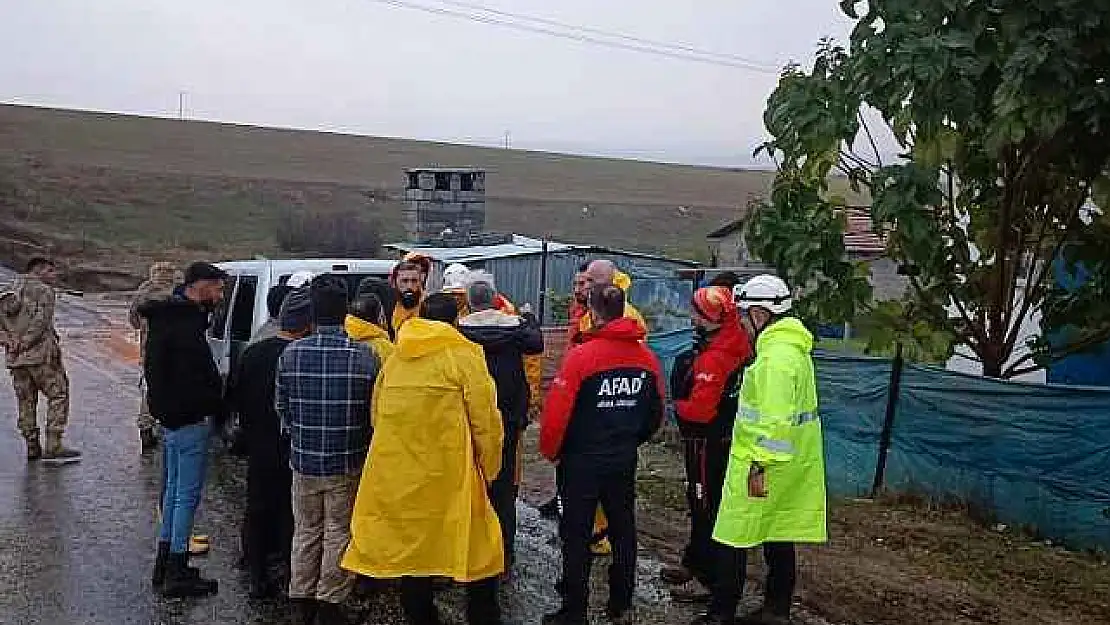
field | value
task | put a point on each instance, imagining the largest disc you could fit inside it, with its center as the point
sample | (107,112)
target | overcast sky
(366,67)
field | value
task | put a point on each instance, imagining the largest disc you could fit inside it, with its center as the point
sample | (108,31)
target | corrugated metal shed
(658,290)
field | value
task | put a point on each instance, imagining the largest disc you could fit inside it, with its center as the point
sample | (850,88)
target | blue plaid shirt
(322,394)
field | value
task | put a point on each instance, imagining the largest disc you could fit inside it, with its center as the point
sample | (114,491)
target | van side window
(219,316)
(242,310)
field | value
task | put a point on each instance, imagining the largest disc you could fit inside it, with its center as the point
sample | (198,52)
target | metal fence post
(888,420)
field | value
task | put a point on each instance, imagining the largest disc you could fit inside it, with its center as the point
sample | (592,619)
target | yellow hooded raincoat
(422,508)
(372,334)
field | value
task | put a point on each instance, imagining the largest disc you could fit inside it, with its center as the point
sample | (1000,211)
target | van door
(240,326)
(218,336)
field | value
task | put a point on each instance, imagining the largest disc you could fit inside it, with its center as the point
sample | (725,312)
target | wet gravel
(76,542)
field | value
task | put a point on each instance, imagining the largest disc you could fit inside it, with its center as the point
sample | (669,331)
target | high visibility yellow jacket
(422,507)
(777,426)
(372,334)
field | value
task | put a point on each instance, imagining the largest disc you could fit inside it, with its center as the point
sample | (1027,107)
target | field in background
(111,193)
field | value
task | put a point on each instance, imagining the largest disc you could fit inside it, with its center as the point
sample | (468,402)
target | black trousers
(481,602)
(729,583)
(503,493)
(583,489)
(268,527)
(706,463)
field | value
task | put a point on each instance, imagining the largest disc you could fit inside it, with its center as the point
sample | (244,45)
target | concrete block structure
(444,200)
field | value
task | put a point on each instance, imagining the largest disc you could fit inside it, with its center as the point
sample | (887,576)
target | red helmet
(715,303)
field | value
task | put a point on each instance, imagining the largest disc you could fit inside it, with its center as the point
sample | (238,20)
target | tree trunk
(992,368)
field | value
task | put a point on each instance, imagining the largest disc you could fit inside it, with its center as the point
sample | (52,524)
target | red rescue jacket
(706,386)
(606,400)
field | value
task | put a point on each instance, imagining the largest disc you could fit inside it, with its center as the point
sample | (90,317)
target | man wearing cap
(774,492)
(323,396)
(185,390)
(274,298)
(704,385)
(268,527)
(158,287)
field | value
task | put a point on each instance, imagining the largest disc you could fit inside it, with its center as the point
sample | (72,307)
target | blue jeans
(184,461)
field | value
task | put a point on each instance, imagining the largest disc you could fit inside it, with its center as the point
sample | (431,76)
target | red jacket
(708,379)
(606,400)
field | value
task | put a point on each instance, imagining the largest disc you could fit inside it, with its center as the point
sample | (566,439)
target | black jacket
(250,393)
(506,339)
(183,385)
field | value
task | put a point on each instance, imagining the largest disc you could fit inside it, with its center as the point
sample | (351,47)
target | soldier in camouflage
(159,287)
(34,358)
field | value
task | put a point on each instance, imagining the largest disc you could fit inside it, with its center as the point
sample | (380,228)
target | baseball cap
(203,271)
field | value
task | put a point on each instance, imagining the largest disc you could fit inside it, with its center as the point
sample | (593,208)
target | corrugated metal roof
(520,246)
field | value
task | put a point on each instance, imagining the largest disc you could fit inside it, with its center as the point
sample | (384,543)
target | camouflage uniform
(34,358)
(159,286)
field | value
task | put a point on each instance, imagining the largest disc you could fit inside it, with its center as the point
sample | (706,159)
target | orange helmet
(715,303)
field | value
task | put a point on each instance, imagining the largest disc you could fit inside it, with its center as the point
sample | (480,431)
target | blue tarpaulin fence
(1032,455)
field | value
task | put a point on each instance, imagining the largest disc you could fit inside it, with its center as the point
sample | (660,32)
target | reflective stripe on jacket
(777,426)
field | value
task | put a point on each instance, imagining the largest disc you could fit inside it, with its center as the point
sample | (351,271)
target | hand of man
(757,482)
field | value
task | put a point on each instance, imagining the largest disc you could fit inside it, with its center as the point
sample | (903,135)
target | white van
(243,310)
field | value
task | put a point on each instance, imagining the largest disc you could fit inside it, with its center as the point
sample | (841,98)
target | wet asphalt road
(76,542)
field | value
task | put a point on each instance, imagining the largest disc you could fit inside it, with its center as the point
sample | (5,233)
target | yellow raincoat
(422,508)
(371,334)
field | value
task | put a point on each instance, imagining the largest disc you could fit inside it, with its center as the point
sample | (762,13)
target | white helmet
(765,291)
(299,279)
(456,276)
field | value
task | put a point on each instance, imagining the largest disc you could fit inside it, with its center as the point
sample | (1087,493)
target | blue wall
(1087,369)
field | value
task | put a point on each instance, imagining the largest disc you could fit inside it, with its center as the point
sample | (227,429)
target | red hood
(623,329)
(733,340)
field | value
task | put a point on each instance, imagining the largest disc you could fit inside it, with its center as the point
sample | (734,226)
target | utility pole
(181,105)
(508,139)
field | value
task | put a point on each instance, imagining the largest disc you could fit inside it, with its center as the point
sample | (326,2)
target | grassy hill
(111,193)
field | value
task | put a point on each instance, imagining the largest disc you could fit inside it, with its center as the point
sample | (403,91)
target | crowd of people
(383,432)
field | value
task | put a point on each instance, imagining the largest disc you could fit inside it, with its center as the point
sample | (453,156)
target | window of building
(443,181)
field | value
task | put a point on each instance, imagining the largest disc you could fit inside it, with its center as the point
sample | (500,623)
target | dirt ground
(891,561)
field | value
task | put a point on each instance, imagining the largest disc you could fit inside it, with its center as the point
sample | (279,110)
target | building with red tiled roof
(861,243)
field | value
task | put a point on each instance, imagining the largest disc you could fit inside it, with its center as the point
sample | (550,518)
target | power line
(614,40)
(680,47)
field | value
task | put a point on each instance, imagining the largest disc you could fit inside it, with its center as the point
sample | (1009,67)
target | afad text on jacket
(606,400)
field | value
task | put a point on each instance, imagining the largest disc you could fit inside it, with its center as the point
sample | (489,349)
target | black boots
(159,574)
(181,581)
(304,610)
(332,614)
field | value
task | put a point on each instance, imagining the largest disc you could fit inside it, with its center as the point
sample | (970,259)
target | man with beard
(409,279)
(505,339)
(185,390)
(578,305)
(704,385)
(268,527)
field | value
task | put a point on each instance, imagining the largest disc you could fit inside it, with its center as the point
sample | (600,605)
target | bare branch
(855,159)
(1013,373)
(870,138)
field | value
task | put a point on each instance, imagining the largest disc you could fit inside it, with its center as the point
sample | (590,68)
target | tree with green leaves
(1000,111)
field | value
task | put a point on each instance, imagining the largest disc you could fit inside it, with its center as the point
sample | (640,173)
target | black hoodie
(506,339)
(183,384)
